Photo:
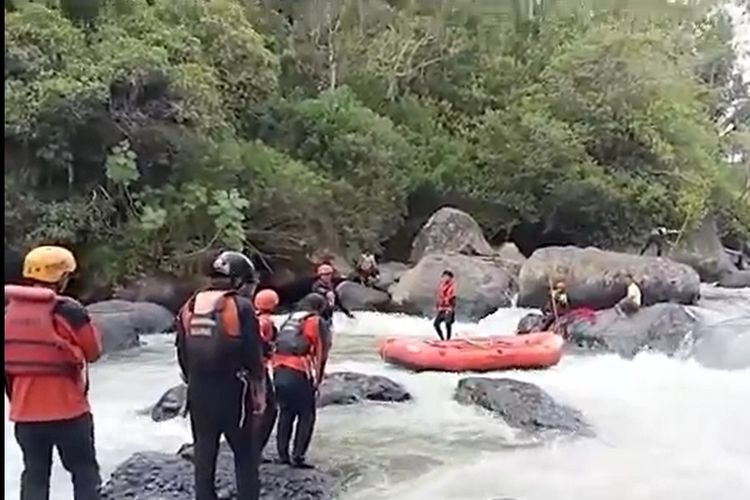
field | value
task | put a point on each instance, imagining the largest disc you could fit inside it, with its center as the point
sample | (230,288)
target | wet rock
(168,291)
(162,476)
(171,404)
(702,250)
(338,388)
(344,388)
(482,285)
(596,278)
(735,279)
(522,405)
(511,258)
(390,273)
(723,344)
(661,327)
(121,322)
(356,297)
(530,323)
(450,230)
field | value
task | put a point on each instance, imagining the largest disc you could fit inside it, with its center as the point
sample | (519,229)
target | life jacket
(210,346)
(267,334)
(291,340)
(33,345)
(446,293)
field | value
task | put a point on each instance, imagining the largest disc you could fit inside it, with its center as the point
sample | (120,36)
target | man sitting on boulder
(658,238)
(631,303)
(366,270)
(557,305)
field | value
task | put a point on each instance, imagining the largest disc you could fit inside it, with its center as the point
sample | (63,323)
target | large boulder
(344,388)
(338,388)
(356,297)
(168,291)
(735,279)
(120,322)
(596,278)
(482,285)
(163,476)
(522,405)
(450,230)
(662,327)
(390,273)
(723,343)
(702,250)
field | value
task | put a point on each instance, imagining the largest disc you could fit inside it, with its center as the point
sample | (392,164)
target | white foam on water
(666,428)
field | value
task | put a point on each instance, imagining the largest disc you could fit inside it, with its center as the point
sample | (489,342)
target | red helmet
(325,269)
(266,300)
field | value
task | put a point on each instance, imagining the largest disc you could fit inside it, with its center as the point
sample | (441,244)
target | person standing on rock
(446,304)
(325,287)
(220,353)
(658,238)
(49,340)
(366,270)
(557,306)
(265,303)
(302,348)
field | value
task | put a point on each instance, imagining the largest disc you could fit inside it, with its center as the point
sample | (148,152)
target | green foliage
(143,132)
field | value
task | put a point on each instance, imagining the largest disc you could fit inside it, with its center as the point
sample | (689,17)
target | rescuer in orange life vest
(220,352)
(265,303)
(49,339)
(302,347)
(446,304)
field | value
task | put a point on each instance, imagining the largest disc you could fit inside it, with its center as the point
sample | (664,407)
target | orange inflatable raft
(533,350)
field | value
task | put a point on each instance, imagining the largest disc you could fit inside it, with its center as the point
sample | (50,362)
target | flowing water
(667,428)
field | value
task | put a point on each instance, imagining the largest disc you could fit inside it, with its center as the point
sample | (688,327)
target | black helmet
(236,266)
(313,302)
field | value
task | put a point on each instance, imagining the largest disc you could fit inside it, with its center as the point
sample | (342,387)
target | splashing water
(667,428)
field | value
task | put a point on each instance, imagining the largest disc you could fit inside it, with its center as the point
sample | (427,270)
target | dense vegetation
(144,131)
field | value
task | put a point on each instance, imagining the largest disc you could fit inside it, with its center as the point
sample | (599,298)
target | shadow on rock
(163,476)
(522,405)
(339,388)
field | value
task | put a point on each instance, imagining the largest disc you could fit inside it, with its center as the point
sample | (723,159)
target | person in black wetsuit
(325,287)
(302,346)
(658,238)
(220,353)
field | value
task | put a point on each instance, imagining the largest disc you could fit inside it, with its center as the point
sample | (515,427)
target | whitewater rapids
(667,428)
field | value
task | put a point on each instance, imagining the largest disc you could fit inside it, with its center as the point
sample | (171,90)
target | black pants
(296,398)
(659,243)
(268,419)
(221,407)
(74,440)
(446,317)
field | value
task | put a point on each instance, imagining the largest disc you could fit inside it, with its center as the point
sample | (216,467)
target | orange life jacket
(446,294)
(212,334)
(32,343)
(268,334)
(298,346)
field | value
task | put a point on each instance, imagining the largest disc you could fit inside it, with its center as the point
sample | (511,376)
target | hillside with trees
(143,132)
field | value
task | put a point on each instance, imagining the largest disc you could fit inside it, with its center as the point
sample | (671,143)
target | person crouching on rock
(265,303)
(446,304)
(49,339)
(631,303)
(302,347)
(557,305)
(220,353)
(366,270)
(325,287)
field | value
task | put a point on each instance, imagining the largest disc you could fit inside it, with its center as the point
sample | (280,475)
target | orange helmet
(325,269)
(266,300)
(48,264)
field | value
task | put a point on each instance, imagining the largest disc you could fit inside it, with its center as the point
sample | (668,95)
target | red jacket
(446,295)
(313,363)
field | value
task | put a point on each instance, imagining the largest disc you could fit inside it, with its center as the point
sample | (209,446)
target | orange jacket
(446,295)
(313,363)
(45,398)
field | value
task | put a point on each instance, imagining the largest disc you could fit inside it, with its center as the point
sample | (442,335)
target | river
(667,428)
